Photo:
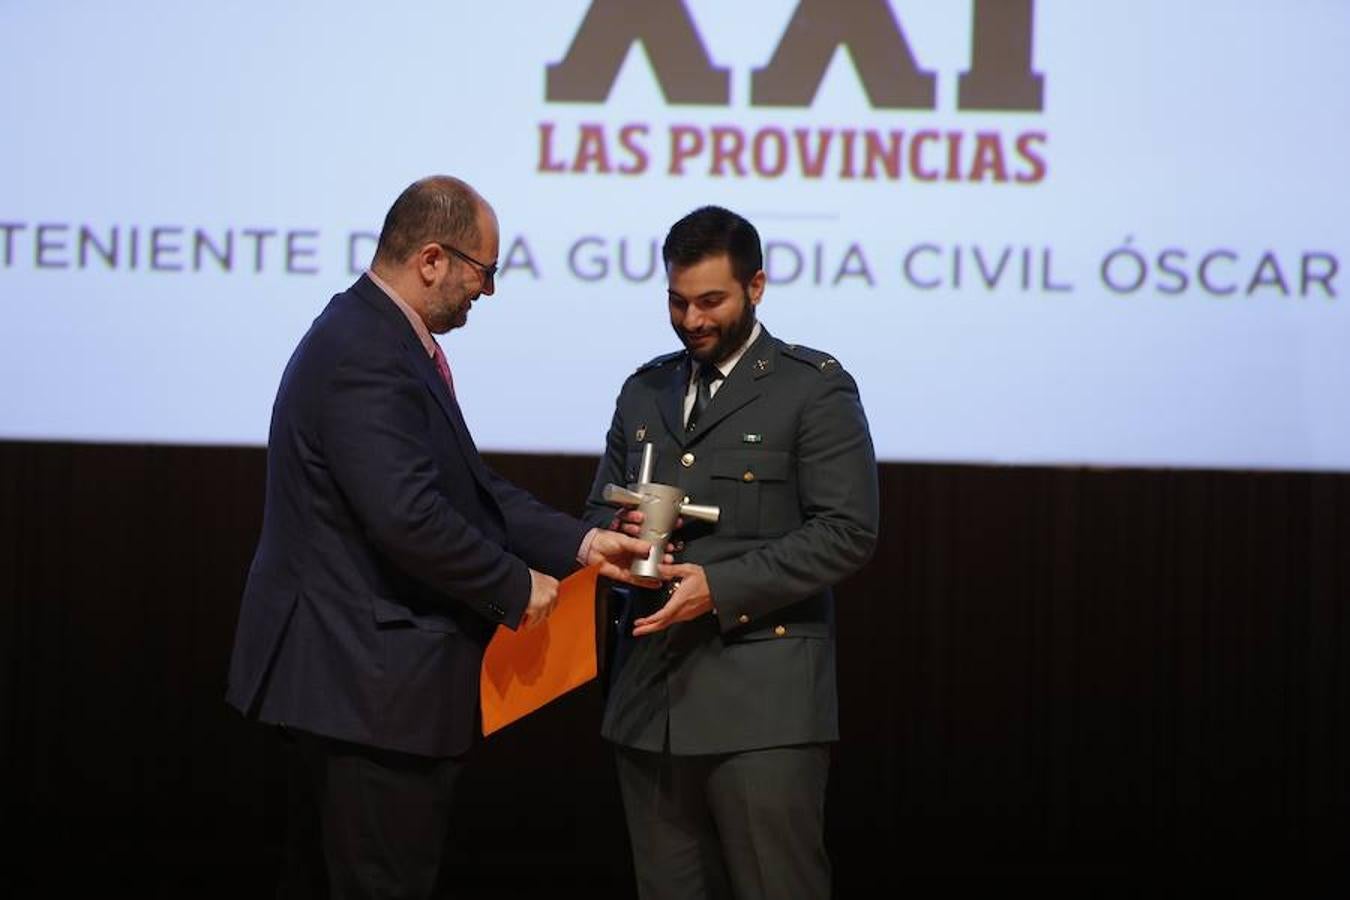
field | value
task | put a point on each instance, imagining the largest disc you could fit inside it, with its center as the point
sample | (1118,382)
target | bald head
(438,250)
(438,209)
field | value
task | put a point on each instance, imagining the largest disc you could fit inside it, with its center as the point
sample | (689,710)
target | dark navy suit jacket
(389,552)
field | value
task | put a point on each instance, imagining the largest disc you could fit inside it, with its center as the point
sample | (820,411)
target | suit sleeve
(376,439)
(837,485)
(546,539)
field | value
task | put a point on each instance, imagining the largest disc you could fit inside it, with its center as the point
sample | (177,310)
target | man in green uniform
(722,698)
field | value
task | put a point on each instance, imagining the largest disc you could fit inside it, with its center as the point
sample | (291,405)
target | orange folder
(524,670)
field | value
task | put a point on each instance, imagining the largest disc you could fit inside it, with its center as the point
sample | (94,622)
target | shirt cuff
(584,551)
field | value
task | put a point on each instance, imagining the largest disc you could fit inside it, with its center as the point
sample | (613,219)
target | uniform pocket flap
(751,465)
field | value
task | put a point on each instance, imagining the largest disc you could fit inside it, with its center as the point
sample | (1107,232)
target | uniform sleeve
(610,470)
(837,484)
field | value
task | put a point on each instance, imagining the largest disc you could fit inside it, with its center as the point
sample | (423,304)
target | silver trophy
(661,505)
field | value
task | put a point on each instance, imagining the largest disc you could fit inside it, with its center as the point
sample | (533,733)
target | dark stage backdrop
(1054,678)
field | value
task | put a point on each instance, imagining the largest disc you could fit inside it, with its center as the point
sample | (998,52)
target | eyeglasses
(489,271)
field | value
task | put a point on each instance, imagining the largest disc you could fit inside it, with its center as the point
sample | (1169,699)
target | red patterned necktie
(443,366)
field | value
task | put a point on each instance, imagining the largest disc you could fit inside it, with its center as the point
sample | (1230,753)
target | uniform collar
(726,365)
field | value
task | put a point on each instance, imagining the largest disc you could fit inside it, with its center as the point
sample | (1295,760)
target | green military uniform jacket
(785,451)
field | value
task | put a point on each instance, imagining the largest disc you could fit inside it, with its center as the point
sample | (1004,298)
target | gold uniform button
(687,460)
(780,630)
(743,618)
(748,476)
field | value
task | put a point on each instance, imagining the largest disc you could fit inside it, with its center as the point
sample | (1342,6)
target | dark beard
(729,341)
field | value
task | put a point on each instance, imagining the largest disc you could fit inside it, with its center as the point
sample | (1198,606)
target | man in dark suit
(390,552)
(722,702)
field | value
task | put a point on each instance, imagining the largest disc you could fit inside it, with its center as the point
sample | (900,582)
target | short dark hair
(431,210)
(711,231)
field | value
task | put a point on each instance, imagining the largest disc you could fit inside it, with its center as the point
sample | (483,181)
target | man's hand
(629,521)
(543,597)
(615,552)
(690,597)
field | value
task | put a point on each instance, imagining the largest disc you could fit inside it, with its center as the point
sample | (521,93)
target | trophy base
(649,569)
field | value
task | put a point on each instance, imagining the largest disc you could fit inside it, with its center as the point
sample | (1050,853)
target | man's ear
(427,257)
(755,290)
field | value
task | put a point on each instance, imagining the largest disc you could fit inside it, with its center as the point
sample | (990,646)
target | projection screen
(1053,232)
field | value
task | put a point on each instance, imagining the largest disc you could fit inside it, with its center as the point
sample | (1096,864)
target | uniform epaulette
(816,359)
(659,361)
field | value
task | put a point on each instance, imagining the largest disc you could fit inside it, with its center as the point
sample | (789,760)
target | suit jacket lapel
(426,369)
(450,406)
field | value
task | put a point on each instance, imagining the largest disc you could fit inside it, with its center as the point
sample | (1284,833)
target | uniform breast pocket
(754,490)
